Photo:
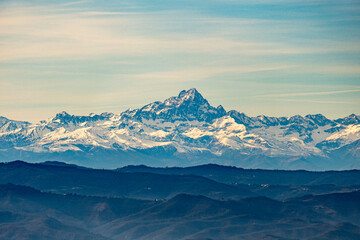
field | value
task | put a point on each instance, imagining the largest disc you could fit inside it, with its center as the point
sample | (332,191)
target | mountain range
(186,130)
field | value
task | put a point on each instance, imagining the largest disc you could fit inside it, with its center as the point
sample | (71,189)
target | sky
(277,58)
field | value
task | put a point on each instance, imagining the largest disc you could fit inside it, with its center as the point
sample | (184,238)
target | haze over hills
(73,179)
(26,213)
(234,175)
(54,200)
(186,130)
(142,182)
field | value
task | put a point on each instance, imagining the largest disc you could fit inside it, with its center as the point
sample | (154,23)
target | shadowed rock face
(65,118)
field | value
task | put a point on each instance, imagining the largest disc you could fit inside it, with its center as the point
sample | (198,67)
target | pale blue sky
(277,58)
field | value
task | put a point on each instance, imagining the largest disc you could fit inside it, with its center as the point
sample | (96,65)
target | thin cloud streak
(201,73)
(307,94)
(74,3)
(310,101)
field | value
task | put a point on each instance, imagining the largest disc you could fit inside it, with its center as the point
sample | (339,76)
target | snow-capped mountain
(186,130)
(187,106)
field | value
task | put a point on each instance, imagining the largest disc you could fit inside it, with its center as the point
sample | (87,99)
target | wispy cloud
(74,3)
(107,13)
(342,70)
(313,101)
(47,32)
(201,73)
(308,93)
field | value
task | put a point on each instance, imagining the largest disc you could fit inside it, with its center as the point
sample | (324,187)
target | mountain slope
(159,183)
(72,179)
(26,213)
(232,175)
